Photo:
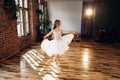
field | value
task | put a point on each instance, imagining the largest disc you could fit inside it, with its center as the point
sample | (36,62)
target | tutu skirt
(55,47)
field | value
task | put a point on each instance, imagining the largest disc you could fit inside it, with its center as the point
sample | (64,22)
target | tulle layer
(55,47)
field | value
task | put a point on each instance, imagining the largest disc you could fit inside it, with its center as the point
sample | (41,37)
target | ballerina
(59,44)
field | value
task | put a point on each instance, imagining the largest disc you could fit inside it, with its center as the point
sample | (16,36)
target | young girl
(59,44)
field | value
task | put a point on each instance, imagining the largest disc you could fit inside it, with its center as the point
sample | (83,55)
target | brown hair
(56,22)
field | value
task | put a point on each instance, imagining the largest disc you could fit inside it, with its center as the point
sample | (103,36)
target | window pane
(16,1)
(25,3)
(21,29)
(20,3)
(20,23)
(40,6)
(21,16)
(27,28)
(39,1)
(18,30)
(26,22)
(26,15)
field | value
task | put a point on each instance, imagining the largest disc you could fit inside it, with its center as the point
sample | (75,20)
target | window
(40,8)
(22,18)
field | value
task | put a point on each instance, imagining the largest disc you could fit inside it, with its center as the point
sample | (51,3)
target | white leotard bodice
(57,35)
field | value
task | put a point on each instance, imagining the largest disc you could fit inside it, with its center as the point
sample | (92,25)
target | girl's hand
(44,38)
(73,32)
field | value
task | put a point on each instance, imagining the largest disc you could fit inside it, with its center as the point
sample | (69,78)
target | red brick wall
(9,43)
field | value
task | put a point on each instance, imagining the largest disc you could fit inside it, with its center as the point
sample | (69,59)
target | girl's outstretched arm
(48,34)
(70,32)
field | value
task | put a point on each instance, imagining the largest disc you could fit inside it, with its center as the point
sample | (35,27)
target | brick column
(33,7)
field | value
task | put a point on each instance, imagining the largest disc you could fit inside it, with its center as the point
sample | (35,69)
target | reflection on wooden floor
(83,61)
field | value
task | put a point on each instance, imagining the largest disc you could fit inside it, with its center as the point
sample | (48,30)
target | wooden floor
(83,61)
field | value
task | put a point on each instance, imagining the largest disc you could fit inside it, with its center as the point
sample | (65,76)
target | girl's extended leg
(54,59)
(58,59)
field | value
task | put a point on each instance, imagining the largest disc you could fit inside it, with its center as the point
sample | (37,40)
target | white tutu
(57,46)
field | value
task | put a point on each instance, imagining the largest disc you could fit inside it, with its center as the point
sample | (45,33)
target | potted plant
(44,26)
